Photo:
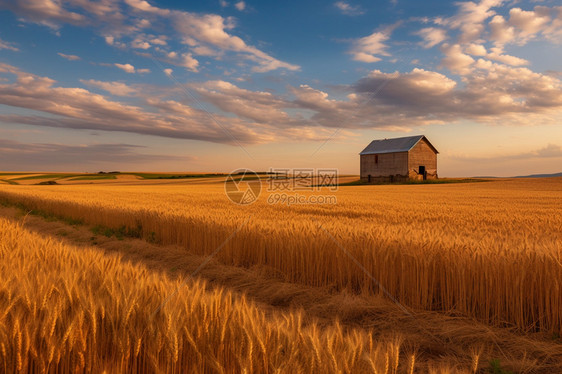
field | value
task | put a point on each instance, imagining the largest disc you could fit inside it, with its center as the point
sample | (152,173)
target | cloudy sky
(219,85)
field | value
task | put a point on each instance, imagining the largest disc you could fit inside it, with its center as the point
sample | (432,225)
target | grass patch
(496,368)
(46,183)
(47,176)
(9,181)
(175,176)
(119,233)
(94,177)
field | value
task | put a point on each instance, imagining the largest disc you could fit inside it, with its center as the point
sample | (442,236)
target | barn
(399,159)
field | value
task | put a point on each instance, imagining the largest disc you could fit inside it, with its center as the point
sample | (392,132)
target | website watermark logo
(283,186)
(243,186)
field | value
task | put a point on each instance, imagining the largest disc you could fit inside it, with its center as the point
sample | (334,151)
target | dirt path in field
(437,337)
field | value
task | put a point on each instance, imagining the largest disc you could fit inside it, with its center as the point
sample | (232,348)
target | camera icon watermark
(243,186)
(284,186)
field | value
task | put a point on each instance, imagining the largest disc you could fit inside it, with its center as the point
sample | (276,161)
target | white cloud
(240,5)
(525,25)
(69,57)
(432,36)
(168,72)
(161,40)
(140,44)
(455,60)
(145,6)
(365,49)
(528,23)
(46,12)
(188,62)
(128,68)
(497,54)
(476,50)
(211,29)
(470,19)
(348,9)
(8,46)
(205,51)
(114,88)
(490,93)
(78,108)
(194,29)
(262,107)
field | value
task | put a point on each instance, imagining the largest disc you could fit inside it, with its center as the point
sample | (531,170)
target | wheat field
(67,309)
(489,251)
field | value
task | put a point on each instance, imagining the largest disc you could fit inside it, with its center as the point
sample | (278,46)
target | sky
(215,86)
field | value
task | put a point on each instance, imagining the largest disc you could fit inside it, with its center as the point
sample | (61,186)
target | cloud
(144,6)
(8,46)
(455,60)
(49,156)
(500,31)
(261,107)
(211,30)
(114,88)
(45,12)
(128,68)
(188,62)
(140,44)
(78,108)
(497,54)
(432,36)
(551,150)
(525,25)
(168,72)
(348,9)
(476,50)
(240,5)
(123,25)
(366,48)
(69,57)
(470,19)
(548,152)
(529,23)
(490,93)
(161,40)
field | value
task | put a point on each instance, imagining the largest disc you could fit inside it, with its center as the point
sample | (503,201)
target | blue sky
(220,85)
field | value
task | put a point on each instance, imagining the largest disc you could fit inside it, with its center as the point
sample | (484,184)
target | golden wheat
(113,318)
(489,250)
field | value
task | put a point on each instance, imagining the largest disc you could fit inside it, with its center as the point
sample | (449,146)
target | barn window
(376,159)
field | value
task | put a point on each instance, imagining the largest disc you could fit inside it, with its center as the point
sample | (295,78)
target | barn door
(423,172)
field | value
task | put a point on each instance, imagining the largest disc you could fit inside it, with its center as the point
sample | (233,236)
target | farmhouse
(399,159)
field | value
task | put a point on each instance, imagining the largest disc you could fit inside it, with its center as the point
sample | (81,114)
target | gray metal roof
(394,145)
